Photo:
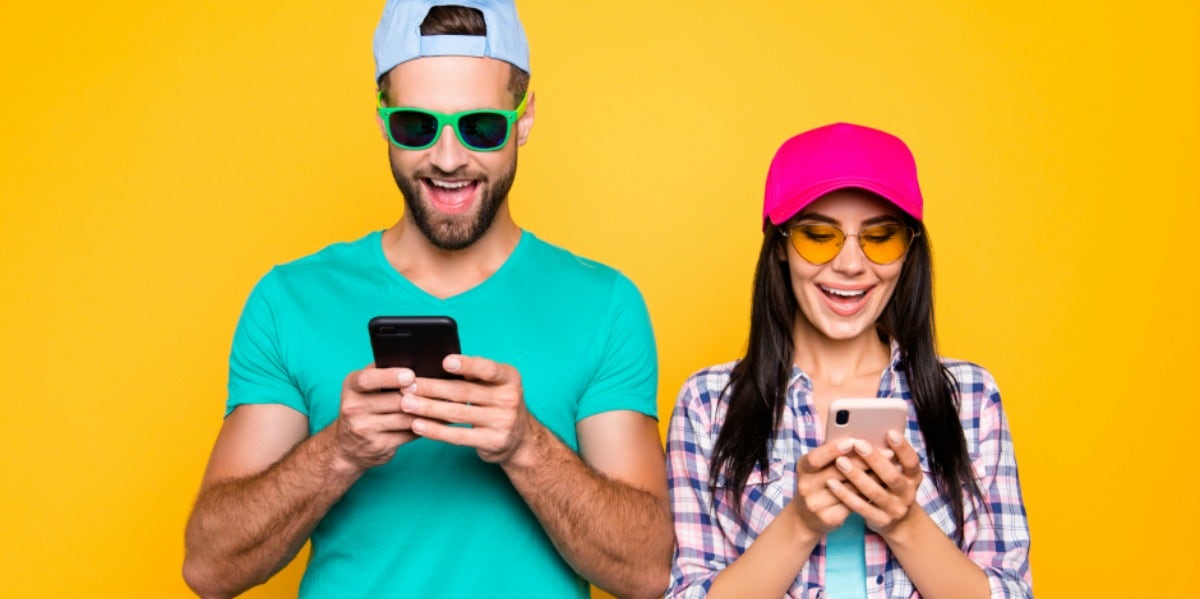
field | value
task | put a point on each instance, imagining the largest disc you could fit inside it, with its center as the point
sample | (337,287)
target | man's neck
(442,273)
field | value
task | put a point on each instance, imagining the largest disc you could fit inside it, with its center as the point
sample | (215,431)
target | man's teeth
(450,184)
(843,292)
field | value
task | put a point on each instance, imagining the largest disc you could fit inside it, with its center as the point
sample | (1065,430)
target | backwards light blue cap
(398,38)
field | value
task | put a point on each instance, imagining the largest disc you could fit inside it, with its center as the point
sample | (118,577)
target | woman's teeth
(843,292)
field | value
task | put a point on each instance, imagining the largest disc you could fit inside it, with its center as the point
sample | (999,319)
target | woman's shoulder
(707,385)
(701,405)
(715,376)
(974,383)
(965,370)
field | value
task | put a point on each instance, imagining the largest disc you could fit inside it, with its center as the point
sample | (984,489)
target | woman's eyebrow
(883,218)
(817,217)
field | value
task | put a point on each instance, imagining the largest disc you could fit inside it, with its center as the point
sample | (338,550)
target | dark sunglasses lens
(412,129)
(483,130)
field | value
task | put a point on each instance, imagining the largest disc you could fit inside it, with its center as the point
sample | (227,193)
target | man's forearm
(244,530)
(617,536)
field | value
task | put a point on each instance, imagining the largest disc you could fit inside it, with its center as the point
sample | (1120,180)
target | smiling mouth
(448,184)
(844,294)
(451,196)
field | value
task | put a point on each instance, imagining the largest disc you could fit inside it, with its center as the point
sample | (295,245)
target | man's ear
(525,123)
(382,128)
(378,119)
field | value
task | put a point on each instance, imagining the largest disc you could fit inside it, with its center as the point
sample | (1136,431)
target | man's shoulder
(352,252)
(555,260)
(334,260)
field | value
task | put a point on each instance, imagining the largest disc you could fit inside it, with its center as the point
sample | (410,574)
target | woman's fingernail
(453,364)
(894,438)
(843,464)
(862,447)
(845,445)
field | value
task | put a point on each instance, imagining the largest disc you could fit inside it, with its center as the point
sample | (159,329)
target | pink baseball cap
(835,157)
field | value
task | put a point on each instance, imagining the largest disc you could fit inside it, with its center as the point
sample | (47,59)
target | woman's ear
(781,249)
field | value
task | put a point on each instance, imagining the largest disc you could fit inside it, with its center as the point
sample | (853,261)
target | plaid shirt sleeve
(997,539)
(702,550)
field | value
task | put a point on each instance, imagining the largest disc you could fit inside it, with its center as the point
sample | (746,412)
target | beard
(451,233)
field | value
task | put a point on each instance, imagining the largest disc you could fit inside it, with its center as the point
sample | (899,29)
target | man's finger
(439,431)
(372,380)
(478,369)
(446,411)
(456,391)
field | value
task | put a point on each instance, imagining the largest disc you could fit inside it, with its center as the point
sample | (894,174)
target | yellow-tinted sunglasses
(819,243)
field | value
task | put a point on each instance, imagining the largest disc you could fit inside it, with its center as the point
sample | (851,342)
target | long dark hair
(758,384)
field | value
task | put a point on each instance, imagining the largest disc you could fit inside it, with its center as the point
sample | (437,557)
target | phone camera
(841,417)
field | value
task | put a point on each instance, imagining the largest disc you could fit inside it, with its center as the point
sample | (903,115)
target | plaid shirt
(710,537)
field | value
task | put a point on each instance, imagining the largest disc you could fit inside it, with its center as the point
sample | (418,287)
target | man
(541,465)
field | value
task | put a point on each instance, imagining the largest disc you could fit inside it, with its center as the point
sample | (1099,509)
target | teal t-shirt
(436,521)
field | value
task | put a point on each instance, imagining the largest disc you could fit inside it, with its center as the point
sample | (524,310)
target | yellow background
(157,158)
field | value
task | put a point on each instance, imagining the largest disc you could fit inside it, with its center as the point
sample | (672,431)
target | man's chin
(449,236)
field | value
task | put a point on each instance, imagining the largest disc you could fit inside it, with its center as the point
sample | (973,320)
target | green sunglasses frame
(443,119)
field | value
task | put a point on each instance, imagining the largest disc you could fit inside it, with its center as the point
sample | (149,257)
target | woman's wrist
(905,531)
(802,536)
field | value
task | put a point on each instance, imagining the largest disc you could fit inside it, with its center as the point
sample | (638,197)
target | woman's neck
(838,362)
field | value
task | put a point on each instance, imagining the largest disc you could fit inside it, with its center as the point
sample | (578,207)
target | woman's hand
(816,506)
(883,493)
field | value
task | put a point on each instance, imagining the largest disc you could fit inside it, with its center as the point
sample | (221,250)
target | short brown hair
(462,20)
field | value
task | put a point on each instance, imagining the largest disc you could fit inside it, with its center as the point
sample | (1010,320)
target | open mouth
(847,294)
(844,301)
(451,196)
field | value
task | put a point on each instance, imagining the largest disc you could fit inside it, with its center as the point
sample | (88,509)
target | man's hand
(371,425)
(490,400)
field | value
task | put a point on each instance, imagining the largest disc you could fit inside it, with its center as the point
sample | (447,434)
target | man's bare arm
(609,517)
(268,484)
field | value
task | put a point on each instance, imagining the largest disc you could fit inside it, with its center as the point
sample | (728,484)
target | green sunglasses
(484,130)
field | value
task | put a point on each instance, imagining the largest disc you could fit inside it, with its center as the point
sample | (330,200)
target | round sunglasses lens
(884,244)
(483,130)
(412,129)
(817,244)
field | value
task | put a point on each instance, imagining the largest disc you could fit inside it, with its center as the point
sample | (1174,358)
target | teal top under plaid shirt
(710,536)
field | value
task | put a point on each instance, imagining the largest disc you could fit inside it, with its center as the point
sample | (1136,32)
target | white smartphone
(868,419)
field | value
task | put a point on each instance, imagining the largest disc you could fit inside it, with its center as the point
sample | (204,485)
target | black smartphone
(416,342)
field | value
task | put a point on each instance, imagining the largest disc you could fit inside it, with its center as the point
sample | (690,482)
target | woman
(843,307)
